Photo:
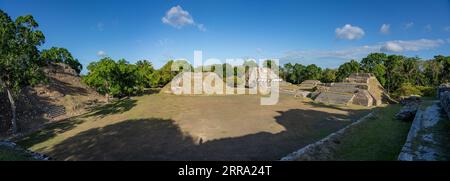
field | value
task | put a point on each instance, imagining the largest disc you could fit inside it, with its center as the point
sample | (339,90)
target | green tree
(369,63)
(433,71)
(102,76)
(250,63)
(117,79)
(288,69)
(19,54)
(380,72)
(228,70)
(127,81)
(312,72)
(444,61)
(60,55)
(374,63)
(346,69)
(298,73)
(394,75)
(269,63)
(145,73)
(166,72)
(328,75)
(411,71)
(247,65)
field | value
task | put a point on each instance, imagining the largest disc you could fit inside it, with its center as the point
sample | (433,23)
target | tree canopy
(60,55)
(18,56)
(346,69)
(116,78)
(394,72)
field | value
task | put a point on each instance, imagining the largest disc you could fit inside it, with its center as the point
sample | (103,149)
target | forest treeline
(399,75)
(21,62)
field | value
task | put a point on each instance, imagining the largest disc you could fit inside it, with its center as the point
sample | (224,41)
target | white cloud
(396,46)
(348,53)
(178,17)
(428,28)
(391,47)
(349,32)
(411,45)
(385,29)
(101,53)
(409,25)
(447,28)
(201,27)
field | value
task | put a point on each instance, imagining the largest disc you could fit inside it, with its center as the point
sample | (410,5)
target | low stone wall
(423,119)
(322,149)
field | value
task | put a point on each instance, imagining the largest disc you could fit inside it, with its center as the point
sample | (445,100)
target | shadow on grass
(56,128)
(162,139)
(49,132)
(150,91)
(116,107)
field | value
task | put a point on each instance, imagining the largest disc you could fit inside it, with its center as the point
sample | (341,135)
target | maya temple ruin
(358,89)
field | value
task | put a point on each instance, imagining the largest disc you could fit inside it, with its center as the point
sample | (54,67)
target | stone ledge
(423,119)
(324,145)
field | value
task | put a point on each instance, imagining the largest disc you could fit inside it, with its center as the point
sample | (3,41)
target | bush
(427,91)
(407,89)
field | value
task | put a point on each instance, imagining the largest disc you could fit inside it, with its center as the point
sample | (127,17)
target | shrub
(407,89)
(427,91)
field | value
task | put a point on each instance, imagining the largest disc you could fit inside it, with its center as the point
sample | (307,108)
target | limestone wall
(359,89)
(335,98)
(363,97)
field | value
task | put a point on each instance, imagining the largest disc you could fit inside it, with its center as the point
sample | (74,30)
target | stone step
(335,98)
(56,111)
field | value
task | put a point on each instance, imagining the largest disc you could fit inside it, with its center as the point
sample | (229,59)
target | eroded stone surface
(421,143)
(358,89)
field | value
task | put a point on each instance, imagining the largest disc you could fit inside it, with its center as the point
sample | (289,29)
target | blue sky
(326,33)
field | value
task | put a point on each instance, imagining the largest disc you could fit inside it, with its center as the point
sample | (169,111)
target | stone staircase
(54,111)
(335,98)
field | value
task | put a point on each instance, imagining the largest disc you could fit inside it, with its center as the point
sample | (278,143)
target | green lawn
(8,154)
(380,138)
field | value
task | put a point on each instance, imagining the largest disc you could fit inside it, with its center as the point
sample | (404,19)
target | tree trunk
(107,91)
(107,98)
(13,111)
